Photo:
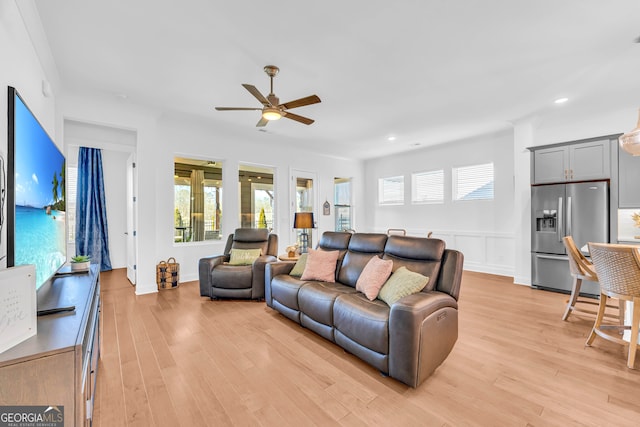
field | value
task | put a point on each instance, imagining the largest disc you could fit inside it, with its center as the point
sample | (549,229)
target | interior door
(132,215)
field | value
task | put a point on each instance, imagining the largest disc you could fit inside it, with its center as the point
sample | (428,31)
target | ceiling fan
(272,109)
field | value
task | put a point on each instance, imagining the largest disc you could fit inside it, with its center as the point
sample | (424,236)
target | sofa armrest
(205,266)
(257,275)
(272,270)
(422,330)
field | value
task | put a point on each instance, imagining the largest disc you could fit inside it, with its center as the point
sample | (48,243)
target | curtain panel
(92,237)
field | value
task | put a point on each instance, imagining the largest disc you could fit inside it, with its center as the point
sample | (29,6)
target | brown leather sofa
(218,279)
(406,341)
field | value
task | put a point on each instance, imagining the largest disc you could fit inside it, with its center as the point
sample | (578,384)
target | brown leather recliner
(218,279)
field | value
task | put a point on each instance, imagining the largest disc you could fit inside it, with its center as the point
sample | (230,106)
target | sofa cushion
(321,265)
(417,254)
(316,300)
(232,276)
(362,247)
(373,276)
(363,321)
(244,256)
(285,288)
(402,282)
(298,269)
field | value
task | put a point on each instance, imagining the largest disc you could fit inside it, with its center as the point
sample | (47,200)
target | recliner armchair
(218,279)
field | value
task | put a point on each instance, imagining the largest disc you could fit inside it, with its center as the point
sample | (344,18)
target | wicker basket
(168,274)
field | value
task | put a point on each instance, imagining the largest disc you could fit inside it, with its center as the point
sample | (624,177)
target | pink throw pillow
(321,265)
(373,276)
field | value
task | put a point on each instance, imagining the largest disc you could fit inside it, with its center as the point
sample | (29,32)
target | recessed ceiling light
(391,138)
(561,100)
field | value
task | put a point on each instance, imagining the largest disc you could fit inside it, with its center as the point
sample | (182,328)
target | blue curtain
(91,211)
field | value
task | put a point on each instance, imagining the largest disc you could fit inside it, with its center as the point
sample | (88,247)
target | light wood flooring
(176,359)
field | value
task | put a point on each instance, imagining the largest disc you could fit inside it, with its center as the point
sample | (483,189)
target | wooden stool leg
(635,326)
(575,292)
(598,322)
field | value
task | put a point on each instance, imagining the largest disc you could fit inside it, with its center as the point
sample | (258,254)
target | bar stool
(618,267)
(582,269)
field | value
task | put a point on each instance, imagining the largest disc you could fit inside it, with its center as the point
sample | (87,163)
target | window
(342,203)
(473,182)
(391,190)
(427,187)
(197,200)
(257,196)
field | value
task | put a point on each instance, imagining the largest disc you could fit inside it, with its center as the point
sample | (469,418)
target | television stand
(58,366)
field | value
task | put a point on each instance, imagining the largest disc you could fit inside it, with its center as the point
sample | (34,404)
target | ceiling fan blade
(297,118)
(262,122)
(255,92)
(313,99)
(236,108)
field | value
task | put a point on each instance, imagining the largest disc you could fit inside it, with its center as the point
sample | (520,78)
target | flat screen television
(36,224)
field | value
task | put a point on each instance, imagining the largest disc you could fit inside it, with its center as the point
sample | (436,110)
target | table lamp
(303,221)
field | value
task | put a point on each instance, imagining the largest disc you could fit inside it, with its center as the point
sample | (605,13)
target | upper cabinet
(581,161)
(628,180)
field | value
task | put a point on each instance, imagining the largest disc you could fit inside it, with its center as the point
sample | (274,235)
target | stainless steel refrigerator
(580,210)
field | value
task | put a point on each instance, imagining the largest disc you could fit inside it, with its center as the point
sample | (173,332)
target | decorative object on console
(272,109)
(291,250)
(18,305)
(636,219)
(303,221)
(630,141)
(80,263)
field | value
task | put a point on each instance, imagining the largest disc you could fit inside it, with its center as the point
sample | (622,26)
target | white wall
(482,229)
(196,138)
(116,146)
(109,111)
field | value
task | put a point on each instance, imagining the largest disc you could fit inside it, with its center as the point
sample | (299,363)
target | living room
(494,235)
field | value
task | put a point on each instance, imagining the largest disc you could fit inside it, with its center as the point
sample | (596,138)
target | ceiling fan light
(630,141)
(271,113)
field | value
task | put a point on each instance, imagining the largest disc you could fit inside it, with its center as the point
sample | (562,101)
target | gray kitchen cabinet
(581,161)
(628,180)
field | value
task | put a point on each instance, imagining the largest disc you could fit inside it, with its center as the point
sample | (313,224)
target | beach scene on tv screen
(39,197)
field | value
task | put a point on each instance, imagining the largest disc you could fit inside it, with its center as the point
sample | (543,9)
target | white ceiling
(425,71)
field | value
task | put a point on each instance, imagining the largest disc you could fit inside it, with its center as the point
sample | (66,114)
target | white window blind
(473,182)
(391,190)
(427,187)
(71,179)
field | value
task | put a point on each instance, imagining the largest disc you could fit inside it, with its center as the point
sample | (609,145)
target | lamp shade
(630,141)
(303,220)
